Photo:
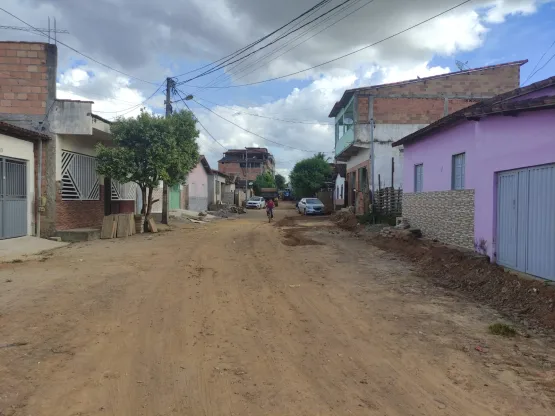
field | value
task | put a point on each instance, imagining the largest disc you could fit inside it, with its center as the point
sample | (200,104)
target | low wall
(447,216)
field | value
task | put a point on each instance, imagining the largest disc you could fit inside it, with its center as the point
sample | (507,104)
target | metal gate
(526,220)
(13,198)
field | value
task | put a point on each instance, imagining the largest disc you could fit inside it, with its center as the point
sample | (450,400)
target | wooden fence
(388,201)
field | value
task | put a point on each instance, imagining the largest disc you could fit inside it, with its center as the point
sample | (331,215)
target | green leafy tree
(309,175)
(149,149)
(280,181)
(264,180)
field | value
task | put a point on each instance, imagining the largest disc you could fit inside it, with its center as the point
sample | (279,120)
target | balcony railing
(344,141)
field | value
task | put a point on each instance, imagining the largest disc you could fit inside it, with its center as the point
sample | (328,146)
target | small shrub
(502,329)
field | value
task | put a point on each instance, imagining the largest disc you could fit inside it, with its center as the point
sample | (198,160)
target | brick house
(72,194)
(246,164)
(483,178)
(370,119)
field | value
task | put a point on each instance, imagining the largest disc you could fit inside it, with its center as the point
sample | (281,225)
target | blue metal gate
(13,198)
(526,220)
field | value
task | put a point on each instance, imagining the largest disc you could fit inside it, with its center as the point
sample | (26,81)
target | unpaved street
(240,317)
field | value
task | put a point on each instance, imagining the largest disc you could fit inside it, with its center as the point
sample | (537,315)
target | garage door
(526,220)
(13,198)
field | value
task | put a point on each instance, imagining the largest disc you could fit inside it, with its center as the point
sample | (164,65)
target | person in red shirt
(270,207)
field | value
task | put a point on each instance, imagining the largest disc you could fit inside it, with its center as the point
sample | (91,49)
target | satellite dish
(250,183)
(348,121)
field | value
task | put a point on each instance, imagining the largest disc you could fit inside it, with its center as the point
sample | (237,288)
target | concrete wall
(22,149)
(493,144)
(71,117)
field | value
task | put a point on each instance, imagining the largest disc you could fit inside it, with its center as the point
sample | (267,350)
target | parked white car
(309,206)
(256,202)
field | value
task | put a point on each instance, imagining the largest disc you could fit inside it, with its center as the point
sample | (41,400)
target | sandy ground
(239,317)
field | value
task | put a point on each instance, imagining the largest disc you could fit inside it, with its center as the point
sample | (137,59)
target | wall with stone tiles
(447,216)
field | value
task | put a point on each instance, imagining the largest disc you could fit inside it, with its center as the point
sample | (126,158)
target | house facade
(368,120)
(247,164)
(72,195)
(197,186)
(483,178)
(20,180)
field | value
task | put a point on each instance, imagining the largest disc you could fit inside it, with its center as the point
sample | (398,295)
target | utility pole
(165,202)
(246,173)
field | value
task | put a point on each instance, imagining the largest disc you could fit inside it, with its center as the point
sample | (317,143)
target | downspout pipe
(39,192)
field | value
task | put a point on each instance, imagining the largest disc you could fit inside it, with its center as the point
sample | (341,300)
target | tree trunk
(165,204)
(148,207)
(143,200)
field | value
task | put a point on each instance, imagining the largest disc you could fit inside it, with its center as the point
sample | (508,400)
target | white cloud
(396,74)
(500,9)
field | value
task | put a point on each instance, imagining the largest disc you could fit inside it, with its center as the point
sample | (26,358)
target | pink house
(484,178)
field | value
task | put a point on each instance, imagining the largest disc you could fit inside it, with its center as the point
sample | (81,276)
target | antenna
(461,65)
(51,31)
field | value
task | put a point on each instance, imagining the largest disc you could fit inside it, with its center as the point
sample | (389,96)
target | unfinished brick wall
(23,78)
(414,110)
(79,214)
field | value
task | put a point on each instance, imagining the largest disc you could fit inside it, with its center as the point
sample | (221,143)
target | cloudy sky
(149,41)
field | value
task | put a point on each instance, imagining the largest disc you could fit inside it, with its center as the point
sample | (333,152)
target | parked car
(257,202)
(309,206)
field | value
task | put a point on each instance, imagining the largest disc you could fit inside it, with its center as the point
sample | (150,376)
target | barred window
(79,177)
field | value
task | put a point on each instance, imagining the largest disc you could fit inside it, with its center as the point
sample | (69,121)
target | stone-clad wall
(447,216)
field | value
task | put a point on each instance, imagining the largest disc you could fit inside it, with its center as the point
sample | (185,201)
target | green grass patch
(502,329)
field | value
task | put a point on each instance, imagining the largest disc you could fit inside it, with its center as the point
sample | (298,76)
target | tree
(309,175)
(280,181)
(321,155)
(149,149)
(264,180)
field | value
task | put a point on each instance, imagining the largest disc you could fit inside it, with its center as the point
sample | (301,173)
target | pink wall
(493,144)
(198,182)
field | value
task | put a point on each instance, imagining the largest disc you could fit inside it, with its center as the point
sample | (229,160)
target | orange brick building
(246,163)
(369,119)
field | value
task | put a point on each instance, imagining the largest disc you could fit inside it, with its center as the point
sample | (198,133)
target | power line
(248,131)
(347,54)
(239,51)
(532,73)
(76,51)
(239,64)
(231,73)
(310,37)
(199,122)
(271,118)
(542,67)
(220,66)
(130,109)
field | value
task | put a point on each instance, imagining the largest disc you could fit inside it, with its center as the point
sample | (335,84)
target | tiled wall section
(447,216)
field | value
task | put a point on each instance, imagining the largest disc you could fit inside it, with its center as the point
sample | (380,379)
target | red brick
(79,214)
(9,96)
(32,54)
(22,54)
(32,68)
(5,103)
(11,53)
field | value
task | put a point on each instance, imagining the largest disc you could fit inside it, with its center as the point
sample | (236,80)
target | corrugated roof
(495,105)
(20,132)
(349,93)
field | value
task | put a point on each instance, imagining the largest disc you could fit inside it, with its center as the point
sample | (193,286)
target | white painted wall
(384,136)
(339,182)
(362,156)
(21,149)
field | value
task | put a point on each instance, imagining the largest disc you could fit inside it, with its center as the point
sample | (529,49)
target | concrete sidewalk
(23,247)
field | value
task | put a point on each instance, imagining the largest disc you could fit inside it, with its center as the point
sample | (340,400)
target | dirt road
(240,317)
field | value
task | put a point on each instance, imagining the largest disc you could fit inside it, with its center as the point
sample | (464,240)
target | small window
(341,192)
(457,176)
(418,178)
